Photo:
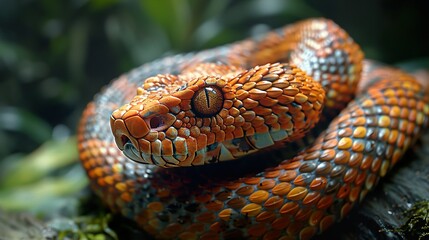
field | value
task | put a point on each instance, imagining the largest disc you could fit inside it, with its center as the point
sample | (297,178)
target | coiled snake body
(205,107)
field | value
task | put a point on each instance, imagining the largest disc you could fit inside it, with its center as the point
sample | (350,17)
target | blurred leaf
(19,120)
(174,16)
(47,197)
(102,4)
(51,156)
(79,34)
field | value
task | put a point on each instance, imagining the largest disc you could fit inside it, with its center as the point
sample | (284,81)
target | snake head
(209,118)
(161,125)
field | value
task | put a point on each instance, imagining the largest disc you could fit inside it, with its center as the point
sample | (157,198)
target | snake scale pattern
(256,97)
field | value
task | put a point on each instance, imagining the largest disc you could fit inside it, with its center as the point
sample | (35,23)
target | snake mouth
(131,152)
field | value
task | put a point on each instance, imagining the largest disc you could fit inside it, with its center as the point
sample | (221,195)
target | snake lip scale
(198,145)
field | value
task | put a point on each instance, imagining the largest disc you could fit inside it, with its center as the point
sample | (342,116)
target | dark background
(55,55)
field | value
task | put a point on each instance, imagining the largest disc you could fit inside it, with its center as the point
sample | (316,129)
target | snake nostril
(156,122)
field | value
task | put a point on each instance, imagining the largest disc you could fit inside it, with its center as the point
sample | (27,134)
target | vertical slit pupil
(207,101)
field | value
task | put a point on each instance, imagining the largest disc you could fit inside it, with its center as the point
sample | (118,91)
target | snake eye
(207,101)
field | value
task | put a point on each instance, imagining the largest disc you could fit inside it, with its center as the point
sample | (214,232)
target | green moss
(86,227)
(417,224)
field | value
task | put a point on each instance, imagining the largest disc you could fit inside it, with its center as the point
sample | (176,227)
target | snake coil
(224,103)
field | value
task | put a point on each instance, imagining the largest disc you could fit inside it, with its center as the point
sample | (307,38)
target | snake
(217,144)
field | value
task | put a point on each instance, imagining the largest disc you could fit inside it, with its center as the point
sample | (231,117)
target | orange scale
(325,202)
(173,229)
(355,159)
(236,203)
(328,154)
(251,180)
(127,197)
(241,94)
(259,196)
(370,181)
(211,137)
(229,95)
(100,181)
(223,195)
(130,113)
(318,183)
(249,103)
(376,164)
(271,173)
(401,140)
(307,233)
(214,205)
(206,217)
(344,143)
(346,209)
(279,109)
(265,216)
(311,198)
(274,202)
(225,214)
(94,152)
(290,165)
(289,208)
(350,175)
(303,214)
(109,180)
(315,217)
(344,191)
(267,184)
(232,185)
(272,235)
(360,179)
(186,94)
(281,223)
(261,129)
(345,132)
(281,189)
(251,209)
(396,156)
(245,190)
(98,172)
(354,193)
(326,222)
(312,155)
(284,99)
(366,162)
(257,230)
(294,228)
(358,146)
(217,227)
(297,193)
(410,128)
